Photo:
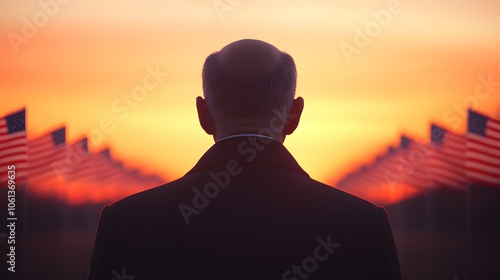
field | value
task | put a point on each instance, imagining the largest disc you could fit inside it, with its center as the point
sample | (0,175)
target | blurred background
(113,83)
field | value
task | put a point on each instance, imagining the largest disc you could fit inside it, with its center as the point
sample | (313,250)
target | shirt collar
(245,135)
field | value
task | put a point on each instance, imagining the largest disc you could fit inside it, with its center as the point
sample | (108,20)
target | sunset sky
(70,63)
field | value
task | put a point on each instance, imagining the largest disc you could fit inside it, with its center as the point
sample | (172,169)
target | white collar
(245,135)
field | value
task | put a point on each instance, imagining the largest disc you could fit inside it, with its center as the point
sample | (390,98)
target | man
(247,210)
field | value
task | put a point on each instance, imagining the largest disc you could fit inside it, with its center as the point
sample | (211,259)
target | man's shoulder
(344,198)
(159,194)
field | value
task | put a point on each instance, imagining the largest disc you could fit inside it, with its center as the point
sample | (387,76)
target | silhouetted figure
(247,210)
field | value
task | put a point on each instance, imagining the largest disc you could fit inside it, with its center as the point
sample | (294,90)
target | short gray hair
(228,95)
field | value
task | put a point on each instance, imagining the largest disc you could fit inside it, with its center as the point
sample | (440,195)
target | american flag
(13,145)
(129,178)
(413,162)
(152,180)
(447,162)
(379,181)
(371,178)
(345,182)
(97,169)
(109,171)
(363,178)
(383,171)
(349,181)
(42,151)
(132,181)
(73,162)
(389,167)
(112,179)
(483,150)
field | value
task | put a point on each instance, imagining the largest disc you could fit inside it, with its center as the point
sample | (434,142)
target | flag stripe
(477,140)
(483,149)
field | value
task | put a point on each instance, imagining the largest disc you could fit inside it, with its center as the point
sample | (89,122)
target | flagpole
(24,228)
(468,230)
(66,232)
(468,206)
(429,221)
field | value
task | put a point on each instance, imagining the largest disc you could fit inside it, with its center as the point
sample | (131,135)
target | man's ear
(206,120)
(294,116)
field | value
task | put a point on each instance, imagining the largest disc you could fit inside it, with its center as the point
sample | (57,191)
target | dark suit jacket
(247,210)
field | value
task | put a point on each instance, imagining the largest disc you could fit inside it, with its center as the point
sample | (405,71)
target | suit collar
(247,150)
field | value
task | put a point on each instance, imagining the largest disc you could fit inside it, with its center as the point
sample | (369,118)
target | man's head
(249,87)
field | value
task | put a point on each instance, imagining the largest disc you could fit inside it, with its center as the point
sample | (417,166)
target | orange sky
(77,62)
